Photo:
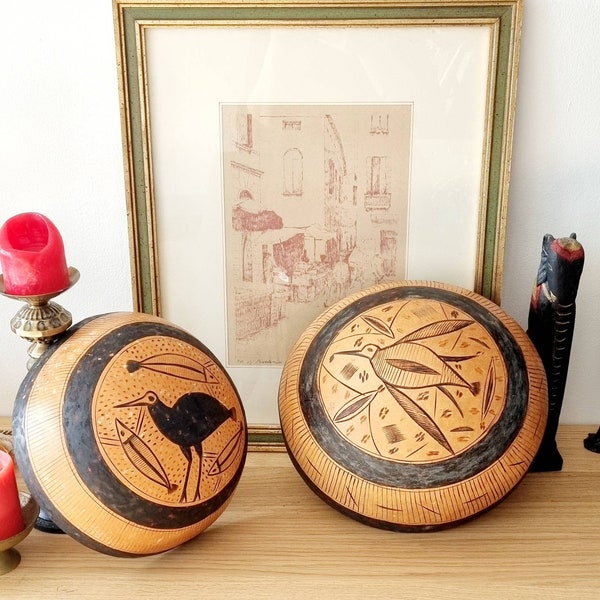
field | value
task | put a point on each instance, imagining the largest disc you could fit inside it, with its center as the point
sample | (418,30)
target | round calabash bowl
(130,434)
(413,406)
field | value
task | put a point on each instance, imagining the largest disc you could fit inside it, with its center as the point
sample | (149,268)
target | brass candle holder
(41,322)
(9,557)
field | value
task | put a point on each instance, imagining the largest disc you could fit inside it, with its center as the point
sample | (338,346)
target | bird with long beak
(192,419)
(409,365)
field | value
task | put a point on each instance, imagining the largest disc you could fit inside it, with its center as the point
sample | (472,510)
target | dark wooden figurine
(550,328)
(592,441)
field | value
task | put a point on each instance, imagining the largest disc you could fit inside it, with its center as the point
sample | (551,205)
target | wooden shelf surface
(278,540)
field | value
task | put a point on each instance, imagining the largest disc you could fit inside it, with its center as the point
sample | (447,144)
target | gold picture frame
(453,61)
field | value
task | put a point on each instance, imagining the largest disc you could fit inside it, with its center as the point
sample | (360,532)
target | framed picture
(282,155)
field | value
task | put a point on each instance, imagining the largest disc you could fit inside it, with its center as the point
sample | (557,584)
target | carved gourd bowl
(413,406)
(130,434)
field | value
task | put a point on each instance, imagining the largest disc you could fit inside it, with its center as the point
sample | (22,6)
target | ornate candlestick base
(41,322)
(9,557)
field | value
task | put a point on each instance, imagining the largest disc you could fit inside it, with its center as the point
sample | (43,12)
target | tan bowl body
(413,406)
(130,434)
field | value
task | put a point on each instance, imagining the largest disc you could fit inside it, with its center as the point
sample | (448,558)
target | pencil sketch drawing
(315,207)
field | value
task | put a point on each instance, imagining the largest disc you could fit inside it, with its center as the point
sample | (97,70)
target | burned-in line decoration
(413,405)
(420,369)
(131,434)
(191,435)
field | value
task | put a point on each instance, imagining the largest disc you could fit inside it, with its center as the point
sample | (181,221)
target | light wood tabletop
(277,539)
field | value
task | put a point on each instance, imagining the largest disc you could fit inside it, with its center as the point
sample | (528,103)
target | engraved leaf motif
(228,455)
(141,456)
(456,359)
(450,397)
(411,366)
(478,341)
(436,329)
(420,417)
(174,365)
(352,408)
(489,388)
(379,325)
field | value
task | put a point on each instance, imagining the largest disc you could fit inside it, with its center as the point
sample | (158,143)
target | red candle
(32,256)
(11,517)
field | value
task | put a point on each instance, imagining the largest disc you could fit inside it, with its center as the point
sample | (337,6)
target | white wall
(555,182)
(60,154)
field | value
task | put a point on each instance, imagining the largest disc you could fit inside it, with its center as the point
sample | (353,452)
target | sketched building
(382,179)
(285,181)
(305,178)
